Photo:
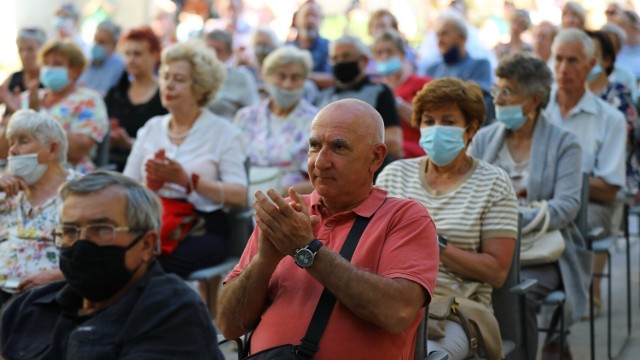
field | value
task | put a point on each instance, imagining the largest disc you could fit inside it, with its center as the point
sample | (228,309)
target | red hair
(144,33)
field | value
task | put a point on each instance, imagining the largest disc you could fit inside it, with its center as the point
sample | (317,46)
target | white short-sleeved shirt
(213,149)
(602,132)
(481,206)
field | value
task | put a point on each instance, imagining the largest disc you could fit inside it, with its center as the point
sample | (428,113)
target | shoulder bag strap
(309,344)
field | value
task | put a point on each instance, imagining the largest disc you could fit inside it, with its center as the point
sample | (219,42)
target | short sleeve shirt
(602,132)
(481,206)
(399,242)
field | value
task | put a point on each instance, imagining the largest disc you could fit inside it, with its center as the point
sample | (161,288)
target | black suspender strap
(309,344)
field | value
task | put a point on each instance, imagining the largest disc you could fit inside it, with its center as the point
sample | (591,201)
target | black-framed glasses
(67,235)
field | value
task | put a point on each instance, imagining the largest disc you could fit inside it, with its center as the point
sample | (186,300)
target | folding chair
(605,246)
(509,306)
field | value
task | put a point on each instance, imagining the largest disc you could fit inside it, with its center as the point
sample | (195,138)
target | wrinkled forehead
(331,126)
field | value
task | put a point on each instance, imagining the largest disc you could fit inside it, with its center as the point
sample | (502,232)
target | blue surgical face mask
(511,116)
(442,143)
(284,98)
(54,78)
(595,71)
(390,66)
(98,52)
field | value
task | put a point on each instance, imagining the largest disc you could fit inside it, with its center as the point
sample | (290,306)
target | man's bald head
(355,114)
(346,148)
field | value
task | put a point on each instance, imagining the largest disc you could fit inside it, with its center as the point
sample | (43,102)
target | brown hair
(66,48)
(445,92)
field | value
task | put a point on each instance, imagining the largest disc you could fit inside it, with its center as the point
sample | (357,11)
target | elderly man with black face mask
(350,56)
(115,302)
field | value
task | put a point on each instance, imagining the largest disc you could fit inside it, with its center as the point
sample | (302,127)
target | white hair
(286,55)
(576,8)
(456,19)
(362,49)
(43,127)
(567,36)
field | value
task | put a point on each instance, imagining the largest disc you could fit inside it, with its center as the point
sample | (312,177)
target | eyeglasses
(67,235)
(504,92)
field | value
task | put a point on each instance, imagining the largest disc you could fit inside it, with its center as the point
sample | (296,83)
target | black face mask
(95,272)
(452,55)
(346,72)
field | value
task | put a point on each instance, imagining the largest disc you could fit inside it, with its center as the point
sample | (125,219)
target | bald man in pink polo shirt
(380,294)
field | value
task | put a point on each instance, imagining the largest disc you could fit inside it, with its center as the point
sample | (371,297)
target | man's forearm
(600,191)
(392,304)
(242,299)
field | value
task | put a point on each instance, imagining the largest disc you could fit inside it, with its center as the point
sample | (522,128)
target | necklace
(175,136)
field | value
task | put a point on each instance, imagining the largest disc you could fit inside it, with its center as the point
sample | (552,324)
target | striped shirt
(481,206)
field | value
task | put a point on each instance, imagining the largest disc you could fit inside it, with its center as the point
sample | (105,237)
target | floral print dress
(26,241)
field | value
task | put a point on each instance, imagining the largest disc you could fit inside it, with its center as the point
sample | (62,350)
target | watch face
(304,258)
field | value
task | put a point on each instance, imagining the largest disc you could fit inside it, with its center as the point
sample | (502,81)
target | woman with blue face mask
(30,206)
(543,162)
(80,111)
(277,128)
(470,201)
(390,54)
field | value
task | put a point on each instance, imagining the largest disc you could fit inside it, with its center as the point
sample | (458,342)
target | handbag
(309,344)
(478,322)
(179,219)
(543,246)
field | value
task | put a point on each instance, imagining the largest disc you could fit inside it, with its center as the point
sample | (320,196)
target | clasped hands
(284,226)
(161,169)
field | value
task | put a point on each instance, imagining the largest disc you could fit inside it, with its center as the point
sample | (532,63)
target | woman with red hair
(136,97)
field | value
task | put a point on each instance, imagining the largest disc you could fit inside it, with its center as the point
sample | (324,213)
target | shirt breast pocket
(93,342)
(29,348)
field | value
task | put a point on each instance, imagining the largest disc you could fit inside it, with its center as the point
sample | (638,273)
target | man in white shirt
(601,130)
(600,127)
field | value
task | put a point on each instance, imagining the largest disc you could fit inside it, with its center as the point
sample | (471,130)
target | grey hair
(43,127)
(222,36)
(36,34)
(391,36)
(112,28)
(532,74)
(265,30)
(576,8)
(523,14)
(71,9)
(362,49)
(617,31)
(287,55)
(143,209)
(454,18)
(567,36)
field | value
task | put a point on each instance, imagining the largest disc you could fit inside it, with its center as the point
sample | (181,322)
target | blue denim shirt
(158,318)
